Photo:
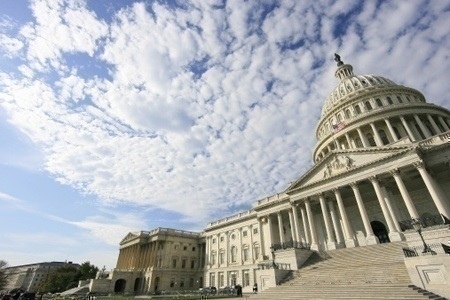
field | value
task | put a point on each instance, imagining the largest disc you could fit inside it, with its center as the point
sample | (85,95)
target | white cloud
(153,133)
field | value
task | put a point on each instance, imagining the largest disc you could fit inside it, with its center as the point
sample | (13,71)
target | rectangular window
(174,263)
(221,279)
(192,264)
(222,257)
(185,248)
(255,230)
(193,248)
(212,279)
(244,233)
(191,282)
(181,282)
(256,251)
(213,258)
(213,241)
(183,264)
(221,238)
(246,276)
(172,282)
(245,254)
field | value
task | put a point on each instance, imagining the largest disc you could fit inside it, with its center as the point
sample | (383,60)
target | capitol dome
(372,111)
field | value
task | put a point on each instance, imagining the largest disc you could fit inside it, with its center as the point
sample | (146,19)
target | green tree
(59,280)
(86,271)
(67,277)
(3,276)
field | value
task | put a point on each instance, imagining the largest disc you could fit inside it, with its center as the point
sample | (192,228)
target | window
(244,233)
(371,140)
(233,253)
(185,248)
(347,113)
(193,248)
(245,254)
(183,263)
(191,282)
(379,103)
(389,100)
(174,263)
(213,258)
(256,251)
(222,257)
(221,279)
(213,241)
(221,238)
(172,282)
(383,137)
(357,109)
(339,117)
(182,282)
(246,277)
(255,230)
(399,99)
(420,131)
(192,264)
(368,105)
(176,247)
(397,134)
(212,279)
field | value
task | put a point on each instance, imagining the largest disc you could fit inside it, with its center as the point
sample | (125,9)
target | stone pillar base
(331,245)
(396,236)
(350,243)
(315,247)
(371,240)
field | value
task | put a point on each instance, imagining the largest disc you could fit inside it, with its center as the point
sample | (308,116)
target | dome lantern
(344,70)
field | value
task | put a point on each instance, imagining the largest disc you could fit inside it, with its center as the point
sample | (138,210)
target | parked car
(209,290)
(228,290)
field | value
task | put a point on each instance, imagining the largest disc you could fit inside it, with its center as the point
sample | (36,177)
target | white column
(348,232)
(331,244)
(434,190)
(269,222)
(291,223)
(370,237)
(391,209)
(376,135)
(394,235)
(280,227)
(336,224)
(349,141)
(312,227)
(391,129)
(433,124)
(208,250)
(296,224)
(422,126)
(305,225)
(362,137)
(261,238)
(217,250)
(441,120)
(408,130)
(405,195)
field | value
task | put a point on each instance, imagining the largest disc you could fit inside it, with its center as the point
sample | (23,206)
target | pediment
(340,162)
(129,237)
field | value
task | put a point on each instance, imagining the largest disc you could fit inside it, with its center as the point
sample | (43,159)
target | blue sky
(119,116)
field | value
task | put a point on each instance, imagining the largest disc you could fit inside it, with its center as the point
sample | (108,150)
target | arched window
(371,140)
(407,98)
(339,117)
(347,113)
(357,109)
(383,137)
(358,143)
(389,100)
(399,99)
(368,105)
(379,103)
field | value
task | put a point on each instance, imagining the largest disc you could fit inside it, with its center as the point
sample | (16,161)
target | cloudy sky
(119,116)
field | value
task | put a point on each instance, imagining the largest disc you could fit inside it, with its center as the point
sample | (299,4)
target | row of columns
(408,130)
(138,256)
(338,228)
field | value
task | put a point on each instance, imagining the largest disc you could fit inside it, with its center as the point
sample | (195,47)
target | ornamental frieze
(338,165)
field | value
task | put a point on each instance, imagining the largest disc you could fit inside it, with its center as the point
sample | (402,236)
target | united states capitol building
(381,176)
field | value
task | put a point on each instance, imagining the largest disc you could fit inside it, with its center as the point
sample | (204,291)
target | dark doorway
(137,283)
(119,287)
(380,232)
(156,283)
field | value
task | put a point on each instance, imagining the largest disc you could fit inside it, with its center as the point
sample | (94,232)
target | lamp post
(417,225)
(272,250)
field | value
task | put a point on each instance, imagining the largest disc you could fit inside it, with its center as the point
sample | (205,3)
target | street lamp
(272,250)
(417,225)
